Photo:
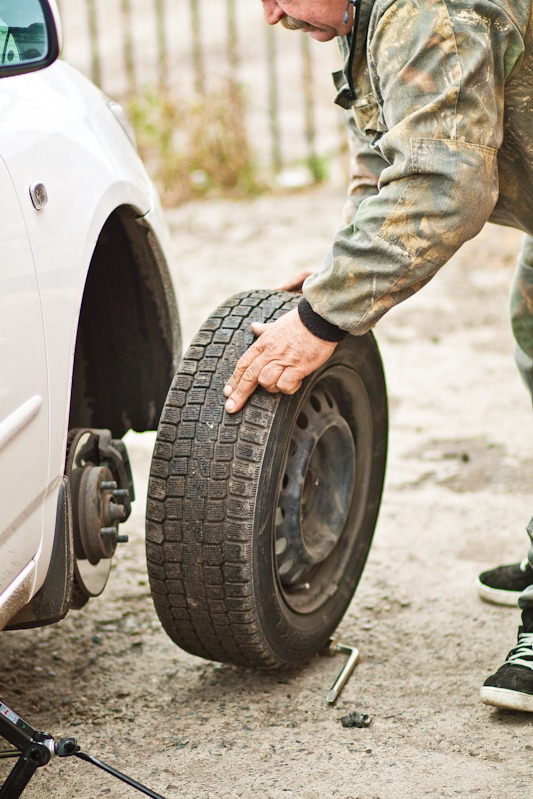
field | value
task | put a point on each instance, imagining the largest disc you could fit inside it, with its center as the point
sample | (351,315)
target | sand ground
(457,499)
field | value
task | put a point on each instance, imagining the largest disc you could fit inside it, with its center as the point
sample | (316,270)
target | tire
(259,523)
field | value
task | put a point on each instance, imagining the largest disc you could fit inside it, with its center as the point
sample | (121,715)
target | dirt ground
(457,500)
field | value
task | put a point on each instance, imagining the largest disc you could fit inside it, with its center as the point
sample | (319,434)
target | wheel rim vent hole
(280,516)
(281,545)
(315,403)
(302,421)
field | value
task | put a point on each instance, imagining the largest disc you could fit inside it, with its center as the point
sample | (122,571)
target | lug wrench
(353,656)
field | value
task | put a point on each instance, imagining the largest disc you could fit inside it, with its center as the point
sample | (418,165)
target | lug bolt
(115,511)
(112,531)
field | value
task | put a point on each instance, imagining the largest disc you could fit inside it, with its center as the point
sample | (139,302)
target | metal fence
(131,46)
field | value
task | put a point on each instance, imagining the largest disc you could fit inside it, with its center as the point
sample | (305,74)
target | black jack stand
(35,749)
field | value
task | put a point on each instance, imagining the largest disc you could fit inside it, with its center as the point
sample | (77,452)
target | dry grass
(196,145)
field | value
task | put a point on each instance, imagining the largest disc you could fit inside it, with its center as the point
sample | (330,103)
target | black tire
(239,504)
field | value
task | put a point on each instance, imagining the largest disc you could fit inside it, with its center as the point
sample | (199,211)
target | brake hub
(102,490)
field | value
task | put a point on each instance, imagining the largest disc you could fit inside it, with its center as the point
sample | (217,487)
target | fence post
(197,55)
(129,59)
(161,44)
(233,53)
(309,116)
(273,100)
(96,72)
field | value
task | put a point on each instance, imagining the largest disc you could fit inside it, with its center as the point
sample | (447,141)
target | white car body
(66,269)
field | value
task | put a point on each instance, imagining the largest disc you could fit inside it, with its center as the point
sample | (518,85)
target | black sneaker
(512,685)
(503,585)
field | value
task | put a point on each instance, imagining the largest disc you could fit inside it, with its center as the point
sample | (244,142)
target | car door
(24,433)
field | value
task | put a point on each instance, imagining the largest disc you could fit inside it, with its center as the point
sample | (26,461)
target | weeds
(196,145)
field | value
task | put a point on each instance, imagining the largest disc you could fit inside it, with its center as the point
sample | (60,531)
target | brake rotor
(100,501)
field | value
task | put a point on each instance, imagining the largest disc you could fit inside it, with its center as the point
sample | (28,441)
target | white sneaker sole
(504,698)
(497,596)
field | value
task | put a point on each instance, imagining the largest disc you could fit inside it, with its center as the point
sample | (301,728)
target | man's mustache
(294,24)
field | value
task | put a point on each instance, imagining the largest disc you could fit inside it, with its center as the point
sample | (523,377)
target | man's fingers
(244,362)
(242,366)
(294,389)
(245,379)
(296,282)
(238,397)
(273,378)
(241,384)
(289,382)
(258,328)
(269,377)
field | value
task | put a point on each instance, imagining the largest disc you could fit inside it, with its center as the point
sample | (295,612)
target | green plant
(197,144)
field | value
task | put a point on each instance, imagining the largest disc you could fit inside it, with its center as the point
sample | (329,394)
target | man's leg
(521,311)
(504,584)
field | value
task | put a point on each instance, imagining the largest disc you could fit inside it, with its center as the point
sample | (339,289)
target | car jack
(35,749)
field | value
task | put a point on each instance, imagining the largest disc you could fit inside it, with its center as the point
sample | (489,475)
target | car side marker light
(39,195)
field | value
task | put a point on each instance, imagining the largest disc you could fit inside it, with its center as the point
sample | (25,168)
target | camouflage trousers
(521,307)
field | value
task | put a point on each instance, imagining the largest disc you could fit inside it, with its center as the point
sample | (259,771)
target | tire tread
(201,494)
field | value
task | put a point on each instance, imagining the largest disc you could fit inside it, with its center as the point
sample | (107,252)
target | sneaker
(512,685)
(503,585)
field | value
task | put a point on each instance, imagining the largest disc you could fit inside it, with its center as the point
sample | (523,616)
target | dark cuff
(317,325)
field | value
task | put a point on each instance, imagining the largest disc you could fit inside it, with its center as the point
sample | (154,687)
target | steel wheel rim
(319,543)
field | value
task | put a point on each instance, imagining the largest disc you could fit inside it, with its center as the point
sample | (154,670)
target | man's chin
(322,36)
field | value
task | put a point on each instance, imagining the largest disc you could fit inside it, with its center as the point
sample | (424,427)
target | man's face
(321,19)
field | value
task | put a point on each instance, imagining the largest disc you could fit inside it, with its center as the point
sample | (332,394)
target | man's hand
(296,282)
(284,353)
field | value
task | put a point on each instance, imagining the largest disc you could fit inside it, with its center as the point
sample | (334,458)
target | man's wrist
(317,325)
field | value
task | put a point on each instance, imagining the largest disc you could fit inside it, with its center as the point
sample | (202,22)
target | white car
(89,326)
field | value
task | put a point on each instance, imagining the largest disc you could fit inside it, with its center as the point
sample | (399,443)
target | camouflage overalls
(442,141)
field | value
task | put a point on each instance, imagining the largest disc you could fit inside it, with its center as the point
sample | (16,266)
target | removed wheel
(259,523)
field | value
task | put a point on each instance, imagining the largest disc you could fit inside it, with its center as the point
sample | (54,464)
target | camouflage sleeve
(366,166)
(438,69)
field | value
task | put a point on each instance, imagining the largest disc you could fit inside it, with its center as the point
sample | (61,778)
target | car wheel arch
(128,340)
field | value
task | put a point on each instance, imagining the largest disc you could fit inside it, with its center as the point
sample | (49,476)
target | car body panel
(24,423)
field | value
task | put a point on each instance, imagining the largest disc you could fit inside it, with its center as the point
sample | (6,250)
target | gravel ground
(457,499)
